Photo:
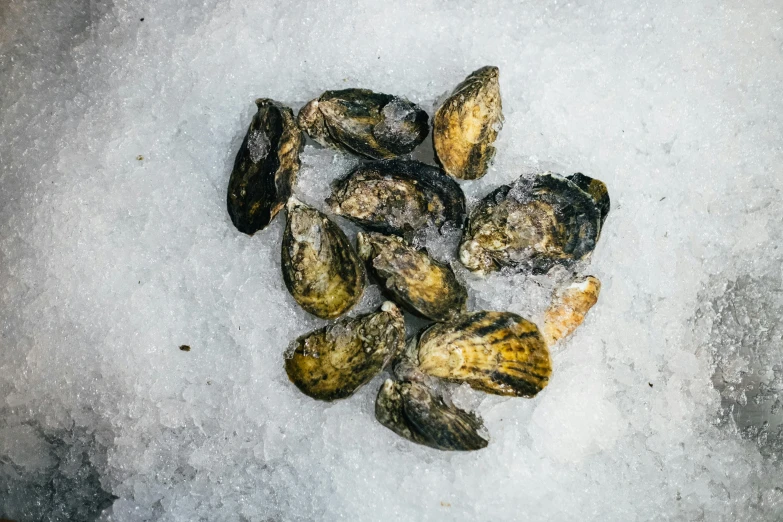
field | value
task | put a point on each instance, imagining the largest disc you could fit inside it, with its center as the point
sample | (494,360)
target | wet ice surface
(661,406)
(747,340)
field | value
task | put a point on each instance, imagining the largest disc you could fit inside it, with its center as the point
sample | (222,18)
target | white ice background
(117,138)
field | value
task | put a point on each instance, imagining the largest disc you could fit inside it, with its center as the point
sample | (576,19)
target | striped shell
(495,352)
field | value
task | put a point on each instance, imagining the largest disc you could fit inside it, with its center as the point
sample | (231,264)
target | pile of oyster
(531,225)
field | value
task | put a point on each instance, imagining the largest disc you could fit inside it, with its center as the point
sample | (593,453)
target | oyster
(412,278)
(597,190)
(415,412)
(334,361)
(495,352)
(466,125)
(320,268)
(405,366)
(364,122)
(569,307)
(265,168)
(398,197)
(535,224)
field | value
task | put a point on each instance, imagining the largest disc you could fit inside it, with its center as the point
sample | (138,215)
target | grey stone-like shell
(333,362)
(363,122)
(535,224)
(265,168)
(320,267)
(411,278)
(415,412)
(466,125)
(398,197)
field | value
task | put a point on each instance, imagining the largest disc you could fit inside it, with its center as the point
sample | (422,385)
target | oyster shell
(398,197)
(333,362)
(412,278)
(597,190)
(533,225)
(320,268)
(363,122)
(405,366)
(495,352)
(466,125)
(415,412)
(569,307)
(265,168)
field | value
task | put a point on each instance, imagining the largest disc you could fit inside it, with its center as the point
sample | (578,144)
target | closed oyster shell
(265,168)
(569,308)
(466,125)
(320,267)
(495,352)
(398,197)
(363,122)
(533,225)
(333,362)
(415,412)
(597,190)
(412,278)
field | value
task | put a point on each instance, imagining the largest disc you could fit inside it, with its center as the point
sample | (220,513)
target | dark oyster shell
(597,190)
(265,168)
(320,268)
(412,278)
(415,412)
(398,197)
(364,122)
(533,225)
(333,362)
(466,125)
(495,352)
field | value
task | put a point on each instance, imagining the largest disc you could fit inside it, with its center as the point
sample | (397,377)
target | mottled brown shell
(333,362)
(398,197)
(533,225)
(320,267)
(412,278)
(466,125)
(569,308)
(415,412)
(495,352)
(265,168)
(363,122)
